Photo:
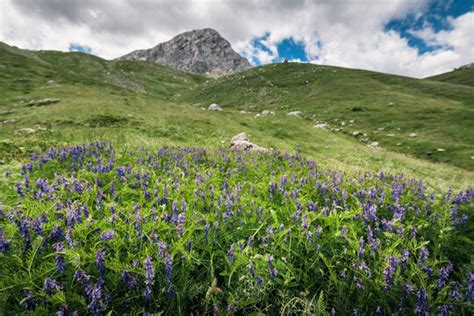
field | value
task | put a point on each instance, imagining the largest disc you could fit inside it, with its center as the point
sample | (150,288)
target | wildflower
(273,271)
(470,286)
(421,306)
(51,286)
(259,281)
(100,263)
(455,293)
(389,272)
(444,274)
(404,258)
(250,268)
(60,263)
(129,280)
(358,282)
(230,254)
(360,254)
(424,253)
(149,271)
(81,276)
(107,235)
(4,243)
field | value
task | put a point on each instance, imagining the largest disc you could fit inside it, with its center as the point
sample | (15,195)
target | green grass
(457,76)
(137,103)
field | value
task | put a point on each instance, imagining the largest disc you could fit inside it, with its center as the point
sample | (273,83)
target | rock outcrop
(199,51)
(240,142)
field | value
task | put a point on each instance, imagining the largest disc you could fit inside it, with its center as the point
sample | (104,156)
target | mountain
(134,103)
(463,75)
(198,51)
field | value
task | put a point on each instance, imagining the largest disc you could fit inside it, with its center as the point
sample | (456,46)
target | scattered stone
(337,129)
(321,126)
(390,135)
(8,121)
(306,82)
(374,145)
(25,131)
(267,112)
(399,144)
(295,113)
(243,112)
(50,82)
(441,149)
(8,112)
(412,135)
(356,133)
(258,115)
(240,142)
(215,107)
(351,121)
(472,157)
(391,103)
(343,123)
(24,80)
(380,129)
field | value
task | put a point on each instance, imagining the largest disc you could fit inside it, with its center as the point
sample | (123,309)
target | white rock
(25,131)
(356,133)
(215,107)
(321,126)
(243,112)
(267,112)
(240,142)
(441,149)
(412,135)
(351,121)
(295,113)
(343,123)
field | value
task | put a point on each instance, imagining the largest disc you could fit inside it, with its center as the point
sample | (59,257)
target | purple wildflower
(107,235)
(421,306)
(444,274)
(51,286)
(100,263)
(230,254)
(129,280)
(149,271)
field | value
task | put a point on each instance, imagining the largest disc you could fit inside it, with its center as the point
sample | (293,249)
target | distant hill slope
(198,51)
(387,108)
(134,103)
(463,75)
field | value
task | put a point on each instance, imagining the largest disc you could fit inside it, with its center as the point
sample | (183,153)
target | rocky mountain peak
(199,51)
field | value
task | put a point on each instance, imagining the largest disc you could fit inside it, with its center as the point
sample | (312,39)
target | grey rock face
(200,51)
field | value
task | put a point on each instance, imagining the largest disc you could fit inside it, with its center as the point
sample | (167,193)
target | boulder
(215,107)
(296,113)
(267,112)
(25,131)
(321,126)
(240,142)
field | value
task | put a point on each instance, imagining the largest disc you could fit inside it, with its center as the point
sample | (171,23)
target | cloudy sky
(409,37)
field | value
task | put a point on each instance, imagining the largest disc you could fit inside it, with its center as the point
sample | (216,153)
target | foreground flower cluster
(94,229)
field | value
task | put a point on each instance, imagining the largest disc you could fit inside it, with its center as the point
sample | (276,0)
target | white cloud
(344,33)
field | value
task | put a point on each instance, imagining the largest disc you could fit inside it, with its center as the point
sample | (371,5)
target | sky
(416,38)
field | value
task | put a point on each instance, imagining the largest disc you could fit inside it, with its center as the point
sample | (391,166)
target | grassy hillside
(458,76)
(135,103)
(385,107)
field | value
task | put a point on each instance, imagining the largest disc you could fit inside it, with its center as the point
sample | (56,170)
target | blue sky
(74,47)
(415,38)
